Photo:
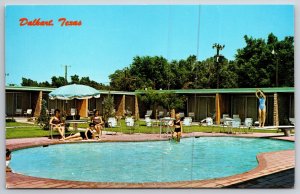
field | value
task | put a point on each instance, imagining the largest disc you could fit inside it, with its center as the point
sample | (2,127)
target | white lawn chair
(187,121)
(148,113)
(292,121)
(18,112)
(248,124)
(236,125)
(148,122)
(112,122)
(181,114)
(52,112)
(130,124)
(73,111)
(28,112)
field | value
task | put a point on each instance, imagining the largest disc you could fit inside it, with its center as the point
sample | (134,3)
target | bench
(285,128)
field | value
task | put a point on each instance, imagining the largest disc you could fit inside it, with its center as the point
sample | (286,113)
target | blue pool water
(162,161)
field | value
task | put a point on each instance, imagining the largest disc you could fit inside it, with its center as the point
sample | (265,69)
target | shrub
(44,118)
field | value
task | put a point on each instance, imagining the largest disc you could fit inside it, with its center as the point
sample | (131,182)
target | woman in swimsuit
(56,123)
(97,120)
(89,133)
(261,108)
(178,127)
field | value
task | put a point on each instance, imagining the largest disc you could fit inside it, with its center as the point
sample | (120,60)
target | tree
(170,100)
(43,119)
(75,79)
(256,65)
(58,81)
(29,82)
(108,106)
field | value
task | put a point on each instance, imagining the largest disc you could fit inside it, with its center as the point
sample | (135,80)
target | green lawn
(23,130)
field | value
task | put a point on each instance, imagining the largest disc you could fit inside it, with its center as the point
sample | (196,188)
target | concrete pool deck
(269,164)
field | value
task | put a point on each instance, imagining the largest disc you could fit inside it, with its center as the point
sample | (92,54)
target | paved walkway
(269,163)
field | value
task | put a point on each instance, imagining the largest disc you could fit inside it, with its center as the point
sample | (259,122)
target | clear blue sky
(110,36)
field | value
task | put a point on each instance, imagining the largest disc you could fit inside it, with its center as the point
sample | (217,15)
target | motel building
(201,103)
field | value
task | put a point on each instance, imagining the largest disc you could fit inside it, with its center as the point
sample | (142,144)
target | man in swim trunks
(261,108)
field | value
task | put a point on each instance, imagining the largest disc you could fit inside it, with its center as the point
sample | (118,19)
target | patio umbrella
(72,91)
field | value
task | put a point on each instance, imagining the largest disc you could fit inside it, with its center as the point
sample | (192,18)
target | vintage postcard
(149,96)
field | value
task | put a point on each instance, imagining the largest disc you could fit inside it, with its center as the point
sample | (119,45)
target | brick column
(275,113)
(38,106)
(121,107)
(136,108)
(82,106)
(218,109)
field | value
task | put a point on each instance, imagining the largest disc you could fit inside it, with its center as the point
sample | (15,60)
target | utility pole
(66,73)
(276,57)
(218,47)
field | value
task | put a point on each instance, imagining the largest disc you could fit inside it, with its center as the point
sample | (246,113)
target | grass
(23,130)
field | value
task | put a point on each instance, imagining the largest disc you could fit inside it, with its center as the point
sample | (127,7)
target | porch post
(218,112)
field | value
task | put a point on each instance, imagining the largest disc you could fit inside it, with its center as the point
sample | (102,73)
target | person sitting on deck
(97,120)
(177,124)
(56,123)
(8,157)
(89,133)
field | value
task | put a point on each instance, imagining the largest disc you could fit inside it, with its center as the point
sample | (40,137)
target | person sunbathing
(89,133)
(56,123)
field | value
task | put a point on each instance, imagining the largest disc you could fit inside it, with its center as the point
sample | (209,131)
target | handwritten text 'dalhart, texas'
(39,22)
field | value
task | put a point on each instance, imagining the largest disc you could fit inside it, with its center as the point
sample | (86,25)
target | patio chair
(227,124)
(130,124)
(112,122)
(148,121)
(235,116)
(160,114)
(18,112)
(192,115)
(187,121)
(91,112)
(73,111)
(28,112)
(52,111)
(181,114)
(208,121)
(292,121)
(236,125)
(148,113)
(248,124)
(222,120)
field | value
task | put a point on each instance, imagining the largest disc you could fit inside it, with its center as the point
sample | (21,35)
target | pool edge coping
(262,169)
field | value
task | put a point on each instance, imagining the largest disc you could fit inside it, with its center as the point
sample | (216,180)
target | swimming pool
(136,162)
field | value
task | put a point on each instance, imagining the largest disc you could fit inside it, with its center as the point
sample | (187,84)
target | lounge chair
(28,112)
(18,112)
